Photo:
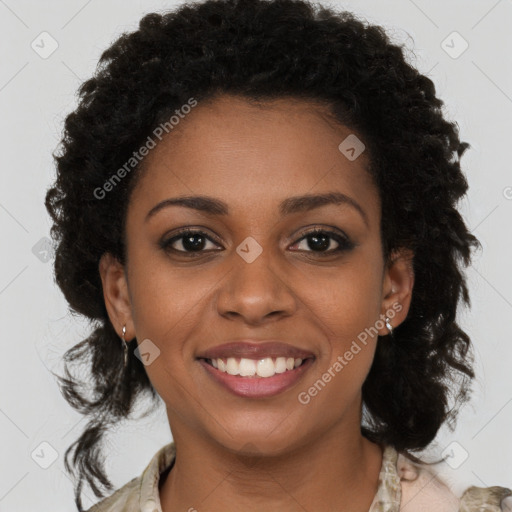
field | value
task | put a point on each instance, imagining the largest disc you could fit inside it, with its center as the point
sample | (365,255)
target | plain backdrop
(471,69)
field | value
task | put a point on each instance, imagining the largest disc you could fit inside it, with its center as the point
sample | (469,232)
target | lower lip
(258,387)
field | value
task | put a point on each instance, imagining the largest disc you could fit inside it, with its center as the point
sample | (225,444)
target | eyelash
(344,244)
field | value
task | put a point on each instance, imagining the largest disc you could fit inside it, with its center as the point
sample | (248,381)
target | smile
(251,378)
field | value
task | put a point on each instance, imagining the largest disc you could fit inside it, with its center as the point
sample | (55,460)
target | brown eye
(187,241)
(320,241)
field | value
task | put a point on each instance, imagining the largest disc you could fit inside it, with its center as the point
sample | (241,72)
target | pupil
(190,245)
(323,244)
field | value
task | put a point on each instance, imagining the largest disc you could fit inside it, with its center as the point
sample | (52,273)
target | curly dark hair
(263,50)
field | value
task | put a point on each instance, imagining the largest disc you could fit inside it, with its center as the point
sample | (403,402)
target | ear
(116,295)
(397,288)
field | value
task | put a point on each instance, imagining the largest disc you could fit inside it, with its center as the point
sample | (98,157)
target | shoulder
(424,491)
(124,499)
(140,493)
(490,499)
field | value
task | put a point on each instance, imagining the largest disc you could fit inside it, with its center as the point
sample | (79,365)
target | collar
(149,500)
(387,498)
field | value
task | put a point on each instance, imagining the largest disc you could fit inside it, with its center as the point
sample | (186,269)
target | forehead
(252,155)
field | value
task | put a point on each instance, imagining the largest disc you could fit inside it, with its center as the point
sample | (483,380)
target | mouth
(256,368)
(251,378)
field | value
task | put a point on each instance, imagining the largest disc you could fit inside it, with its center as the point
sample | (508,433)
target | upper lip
(252,349)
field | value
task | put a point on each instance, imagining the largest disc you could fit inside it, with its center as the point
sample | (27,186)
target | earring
(388,325)
(125,347)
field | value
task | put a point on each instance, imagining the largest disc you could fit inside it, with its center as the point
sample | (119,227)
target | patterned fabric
(403,487)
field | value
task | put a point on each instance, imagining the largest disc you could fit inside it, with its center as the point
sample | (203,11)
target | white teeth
(280,365)
(266,367)
(232,367)
(247,367)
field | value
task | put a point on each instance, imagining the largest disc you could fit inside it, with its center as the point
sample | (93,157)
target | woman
(258,198)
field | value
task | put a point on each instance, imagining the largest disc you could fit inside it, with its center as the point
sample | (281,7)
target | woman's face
(253,273)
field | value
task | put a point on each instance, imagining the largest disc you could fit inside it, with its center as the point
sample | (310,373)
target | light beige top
(403,486)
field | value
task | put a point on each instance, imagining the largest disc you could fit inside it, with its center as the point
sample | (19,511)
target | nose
(255,291)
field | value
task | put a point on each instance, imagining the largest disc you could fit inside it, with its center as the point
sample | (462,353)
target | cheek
(348,301)
(348,310)
(347,356)
(170,306)
(165,308)
(165,300)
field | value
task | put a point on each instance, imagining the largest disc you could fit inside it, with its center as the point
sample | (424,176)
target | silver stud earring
(388,325)
(125,347)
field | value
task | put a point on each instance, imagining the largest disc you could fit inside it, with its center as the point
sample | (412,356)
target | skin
(252,157)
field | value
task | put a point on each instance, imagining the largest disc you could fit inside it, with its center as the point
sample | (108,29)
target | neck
(335,472)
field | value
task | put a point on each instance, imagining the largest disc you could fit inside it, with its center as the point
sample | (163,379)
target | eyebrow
(213,206)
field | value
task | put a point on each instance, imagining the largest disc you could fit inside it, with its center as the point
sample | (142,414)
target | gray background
(35,95)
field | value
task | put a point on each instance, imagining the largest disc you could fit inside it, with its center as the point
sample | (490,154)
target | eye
(187,241)
(193,242)
(320,240)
